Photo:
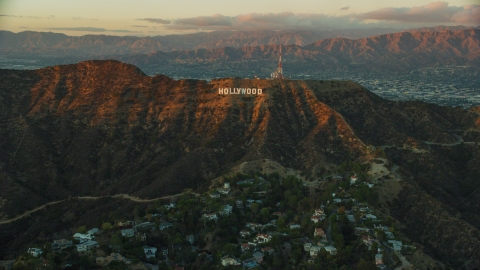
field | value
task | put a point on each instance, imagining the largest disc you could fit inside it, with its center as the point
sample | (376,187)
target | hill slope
(103,127)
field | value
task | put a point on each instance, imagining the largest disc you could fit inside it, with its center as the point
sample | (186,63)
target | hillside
(101,128)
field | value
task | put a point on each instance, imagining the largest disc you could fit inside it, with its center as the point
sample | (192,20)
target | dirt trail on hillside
(120,196)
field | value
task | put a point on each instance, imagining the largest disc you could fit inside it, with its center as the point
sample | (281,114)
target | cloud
(435,12)
(13,16)
(140,26)
(400,17)
(89,29)
(153,20)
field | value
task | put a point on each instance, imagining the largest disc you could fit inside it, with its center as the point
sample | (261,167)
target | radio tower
(278,74)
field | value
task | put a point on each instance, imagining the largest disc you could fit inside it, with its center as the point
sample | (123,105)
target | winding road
(117,196)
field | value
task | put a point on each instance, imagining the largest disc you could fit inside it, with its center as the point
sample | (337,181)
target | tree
(107,226)
(82,229)
(364,265)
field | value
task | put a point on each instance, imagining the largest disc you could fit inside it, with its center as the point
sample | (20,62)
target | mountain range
(256,52)
(99,128)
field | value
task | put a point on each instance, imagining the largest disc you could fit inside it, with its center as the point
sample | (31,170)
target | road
(119,196)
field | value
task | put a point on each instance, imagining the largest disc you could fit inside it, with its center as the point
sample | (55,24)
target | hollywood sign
(239,91)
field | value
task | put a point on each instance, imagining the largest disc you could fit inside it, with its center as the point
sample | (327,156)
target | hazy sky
(159,17)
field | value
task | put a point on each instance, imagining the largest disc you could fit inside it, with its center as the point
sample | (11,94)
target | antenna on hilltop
(278,74)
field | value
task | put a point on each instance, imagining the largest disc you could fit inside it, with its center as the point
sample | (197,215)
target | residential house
(249,263)
(244,247)
(331,249)
(239,204)
(353,179)
(314,250)
(227,209)
(361,230)
(165,225)
(319,232)
(307,246)
(35,252)
(61,244)
(104,261)
(371,217)
(294,226)
(176,247)
(268,250)
(316,218)
(351,218)
(126,224)
(258,256)
(262,238)
(214,195)
(149,251)
(397,245)
(210,216)
(128,232)
(169,206)
(164,251)
(93,231)
(190,238)
(378,259)
(389,235)
(319,212)
(254,226)
(337,200)
(227,261)
(85,246)
(244,233)
(83,237)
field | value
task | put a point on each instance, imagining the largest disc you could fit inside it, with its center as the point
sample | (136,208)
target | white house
(331,249)
(87,245)
(83,237)
(227,209)
(190,238)
(258,256)
(244,233)
(294,226)
(319,211)
(353,179)
(35,252)
(210,216)
(337,200)
(214,195)
(263,238)
(149,252)
(93,231)
(316,218)
(165,225)
(128,233)
(314,250)
(397,245)
(307,246)
(227,261)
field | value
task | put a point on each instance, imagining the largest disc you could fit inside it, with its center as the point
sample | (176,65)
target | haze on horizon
(161,17)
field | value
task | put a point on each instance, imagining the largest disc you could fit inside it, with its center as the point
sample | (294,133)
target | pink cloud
(435,12)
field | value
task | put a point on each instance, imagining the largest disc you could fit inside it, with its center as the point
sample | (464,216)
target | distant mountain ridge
(397,52)
(48,42)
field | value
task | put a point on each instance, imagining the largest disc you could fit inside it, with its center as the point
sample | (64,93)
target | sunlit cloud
(435,12)
(153,20)
(90,29)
